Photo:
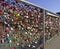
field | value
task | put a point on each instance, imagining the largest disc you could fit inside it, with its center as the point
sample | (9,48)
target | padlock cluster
(21,25)
(51,26)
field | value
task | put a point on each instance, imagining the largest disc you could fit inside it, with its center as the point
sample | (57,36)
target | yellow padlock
(5,12)
(18,14)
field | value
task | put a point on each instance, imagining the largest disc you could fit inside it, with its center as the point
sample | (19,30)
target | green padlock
(8,38)
(14,12)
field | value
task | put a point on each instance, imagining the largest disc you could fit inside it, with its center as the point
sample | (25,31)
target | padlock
(1,1)
(28,40)
(2,41)
(29,45)
(31,34)
(18,14)
(33,46)
(5,13)
(26,16)
(0,28)
(28,27)
(1,21)
(13,48)
(11,28)
(1,11)
(6,29)
(15,12)
(0,8)
(4,4)
(10,41)
(8,35)
(2,35)
(18,44)
(26,32)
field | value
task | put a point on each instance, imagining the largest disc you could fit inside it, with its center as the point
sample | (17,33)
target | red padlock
(2,35)
(1,1)
(1,20)
(13,48)
(1,11)
(4,4)
(6,29)
(0,28)
(12,7)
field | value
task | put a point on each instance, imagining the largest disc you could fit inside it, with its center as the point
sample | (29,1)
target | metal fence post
(44,27)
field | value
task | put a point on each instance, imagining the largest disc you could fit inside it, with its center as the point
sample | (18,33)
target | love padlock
(6,29)
(13,48)
(5,4)
(2,41)
(2,35)
(1,11)
(0,28)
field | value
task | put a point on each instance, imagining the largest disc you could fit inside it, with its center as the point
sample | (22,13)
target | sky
(51,5)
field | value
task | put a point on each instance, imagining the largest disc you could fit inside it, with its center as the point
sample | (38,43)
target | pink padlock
(6,29)
(8,35)
(2,40)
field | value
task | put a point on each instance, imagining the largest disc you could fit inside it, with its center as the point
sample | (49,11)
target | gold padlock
(18,14)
